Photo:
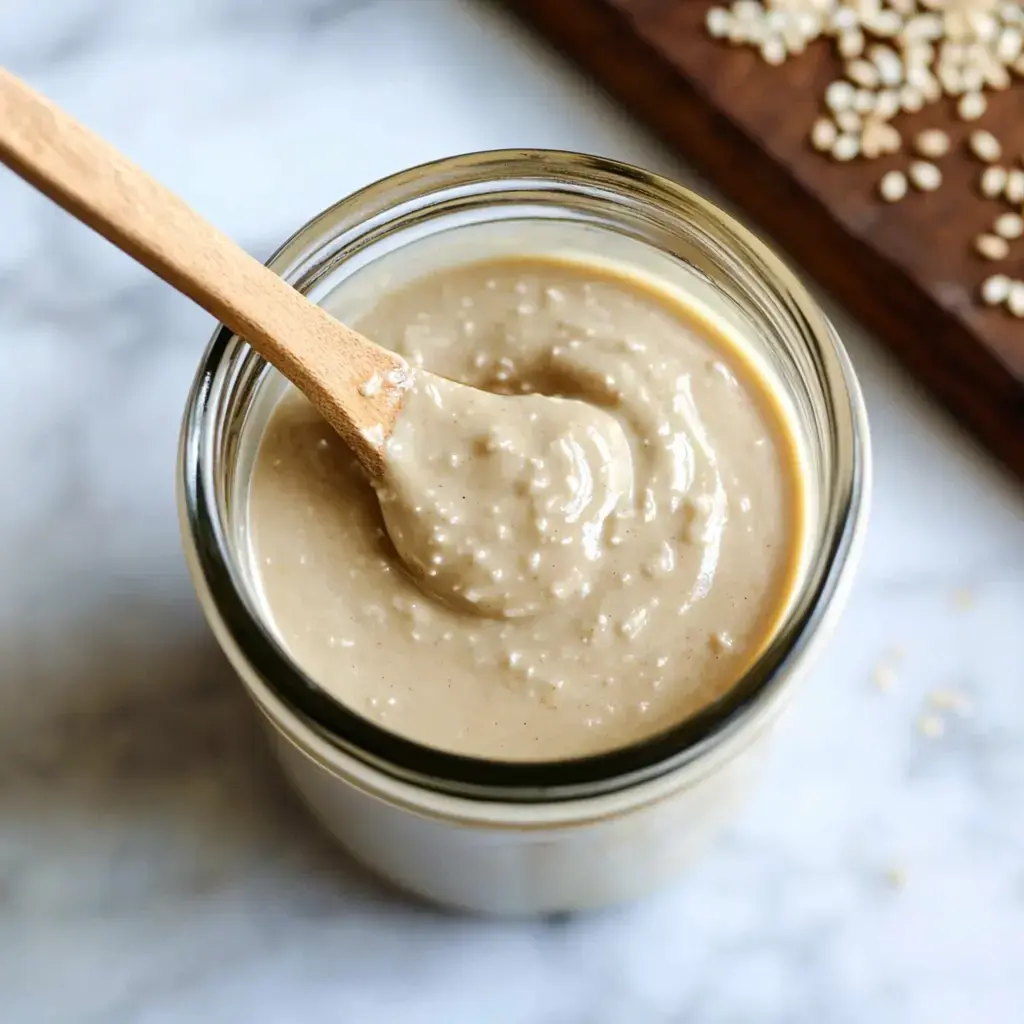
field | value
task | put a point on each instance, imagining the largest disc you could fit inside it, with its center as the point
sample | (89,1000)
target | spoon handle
(102,188)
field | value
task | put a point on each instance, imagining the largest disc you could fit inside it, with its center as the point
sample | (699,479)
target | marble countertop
(153,868)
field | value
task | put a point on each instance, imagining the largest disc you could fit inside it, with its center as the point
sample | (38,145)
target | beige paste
(541,577)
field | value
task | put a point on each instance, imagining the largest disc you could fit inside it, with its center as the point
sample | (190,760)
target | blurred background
(153,868)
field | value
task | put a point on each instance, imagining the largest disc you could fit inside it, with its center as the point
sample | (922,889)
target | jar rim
(207,540)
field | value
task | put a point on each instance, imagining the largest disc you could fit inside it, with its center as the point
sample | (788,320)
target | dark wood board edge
(978,388)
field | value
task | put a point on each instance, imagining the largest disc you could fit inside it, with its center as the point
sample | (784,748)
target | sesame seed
(893,186)
(1014,188)
(888,63)
(863,73)
(850,43)
(923,27)
(995,290)
(929,85)
(992,247)
(911,99)
(864,101)
(1015,300)
(985,146)
(848,121)
(932,143)
(718,23)
(846,147)
(1009,226)
(919,73)
(839,96)
(824,134)
(996,76)
(773,51)
(884,22)
(887,104)
(924,176)
(891,138)
(843,19)
(951,79)
(973,79)
(1009,45)
(971,106)
(992,181)
(879,137)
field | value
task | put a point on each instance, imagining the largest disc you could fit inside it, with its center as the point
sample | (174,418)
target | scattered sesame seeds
(931,726)
(893,186)
(901,55)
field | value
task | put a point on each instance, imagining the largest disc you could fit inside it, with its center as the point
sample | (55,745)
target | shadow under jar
(527,837)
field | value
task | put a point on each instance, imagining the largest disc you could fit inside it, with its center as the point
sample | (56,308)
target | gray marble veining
(153,867)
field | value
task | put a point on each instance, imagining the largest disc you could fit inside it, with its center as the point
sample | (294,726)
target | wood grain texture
(324,359)
(907,270)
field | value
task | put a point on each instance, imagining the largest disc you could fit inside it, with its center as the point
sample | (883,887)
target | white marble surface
(153,868)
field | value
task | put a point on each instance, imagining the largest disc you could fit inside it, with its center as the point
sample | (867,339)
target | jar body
(489,867)
(475,848)
(493,867)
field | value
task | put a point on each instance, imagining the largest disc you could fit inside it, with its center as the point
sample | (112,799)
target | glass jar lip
(476,777)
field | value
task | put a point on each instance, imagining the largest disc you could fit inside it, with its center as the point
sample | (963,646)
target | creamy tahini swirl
(586,552)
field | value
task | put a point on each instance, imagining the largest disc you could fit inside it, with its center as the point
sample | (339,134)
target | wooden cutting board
(907,270)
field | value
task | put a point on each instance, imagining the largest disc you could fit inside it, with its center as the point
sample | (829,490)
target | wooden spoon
(326,360)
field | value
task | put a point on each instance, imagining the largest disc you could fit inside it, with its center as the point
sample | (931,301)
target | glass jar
(504,837)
